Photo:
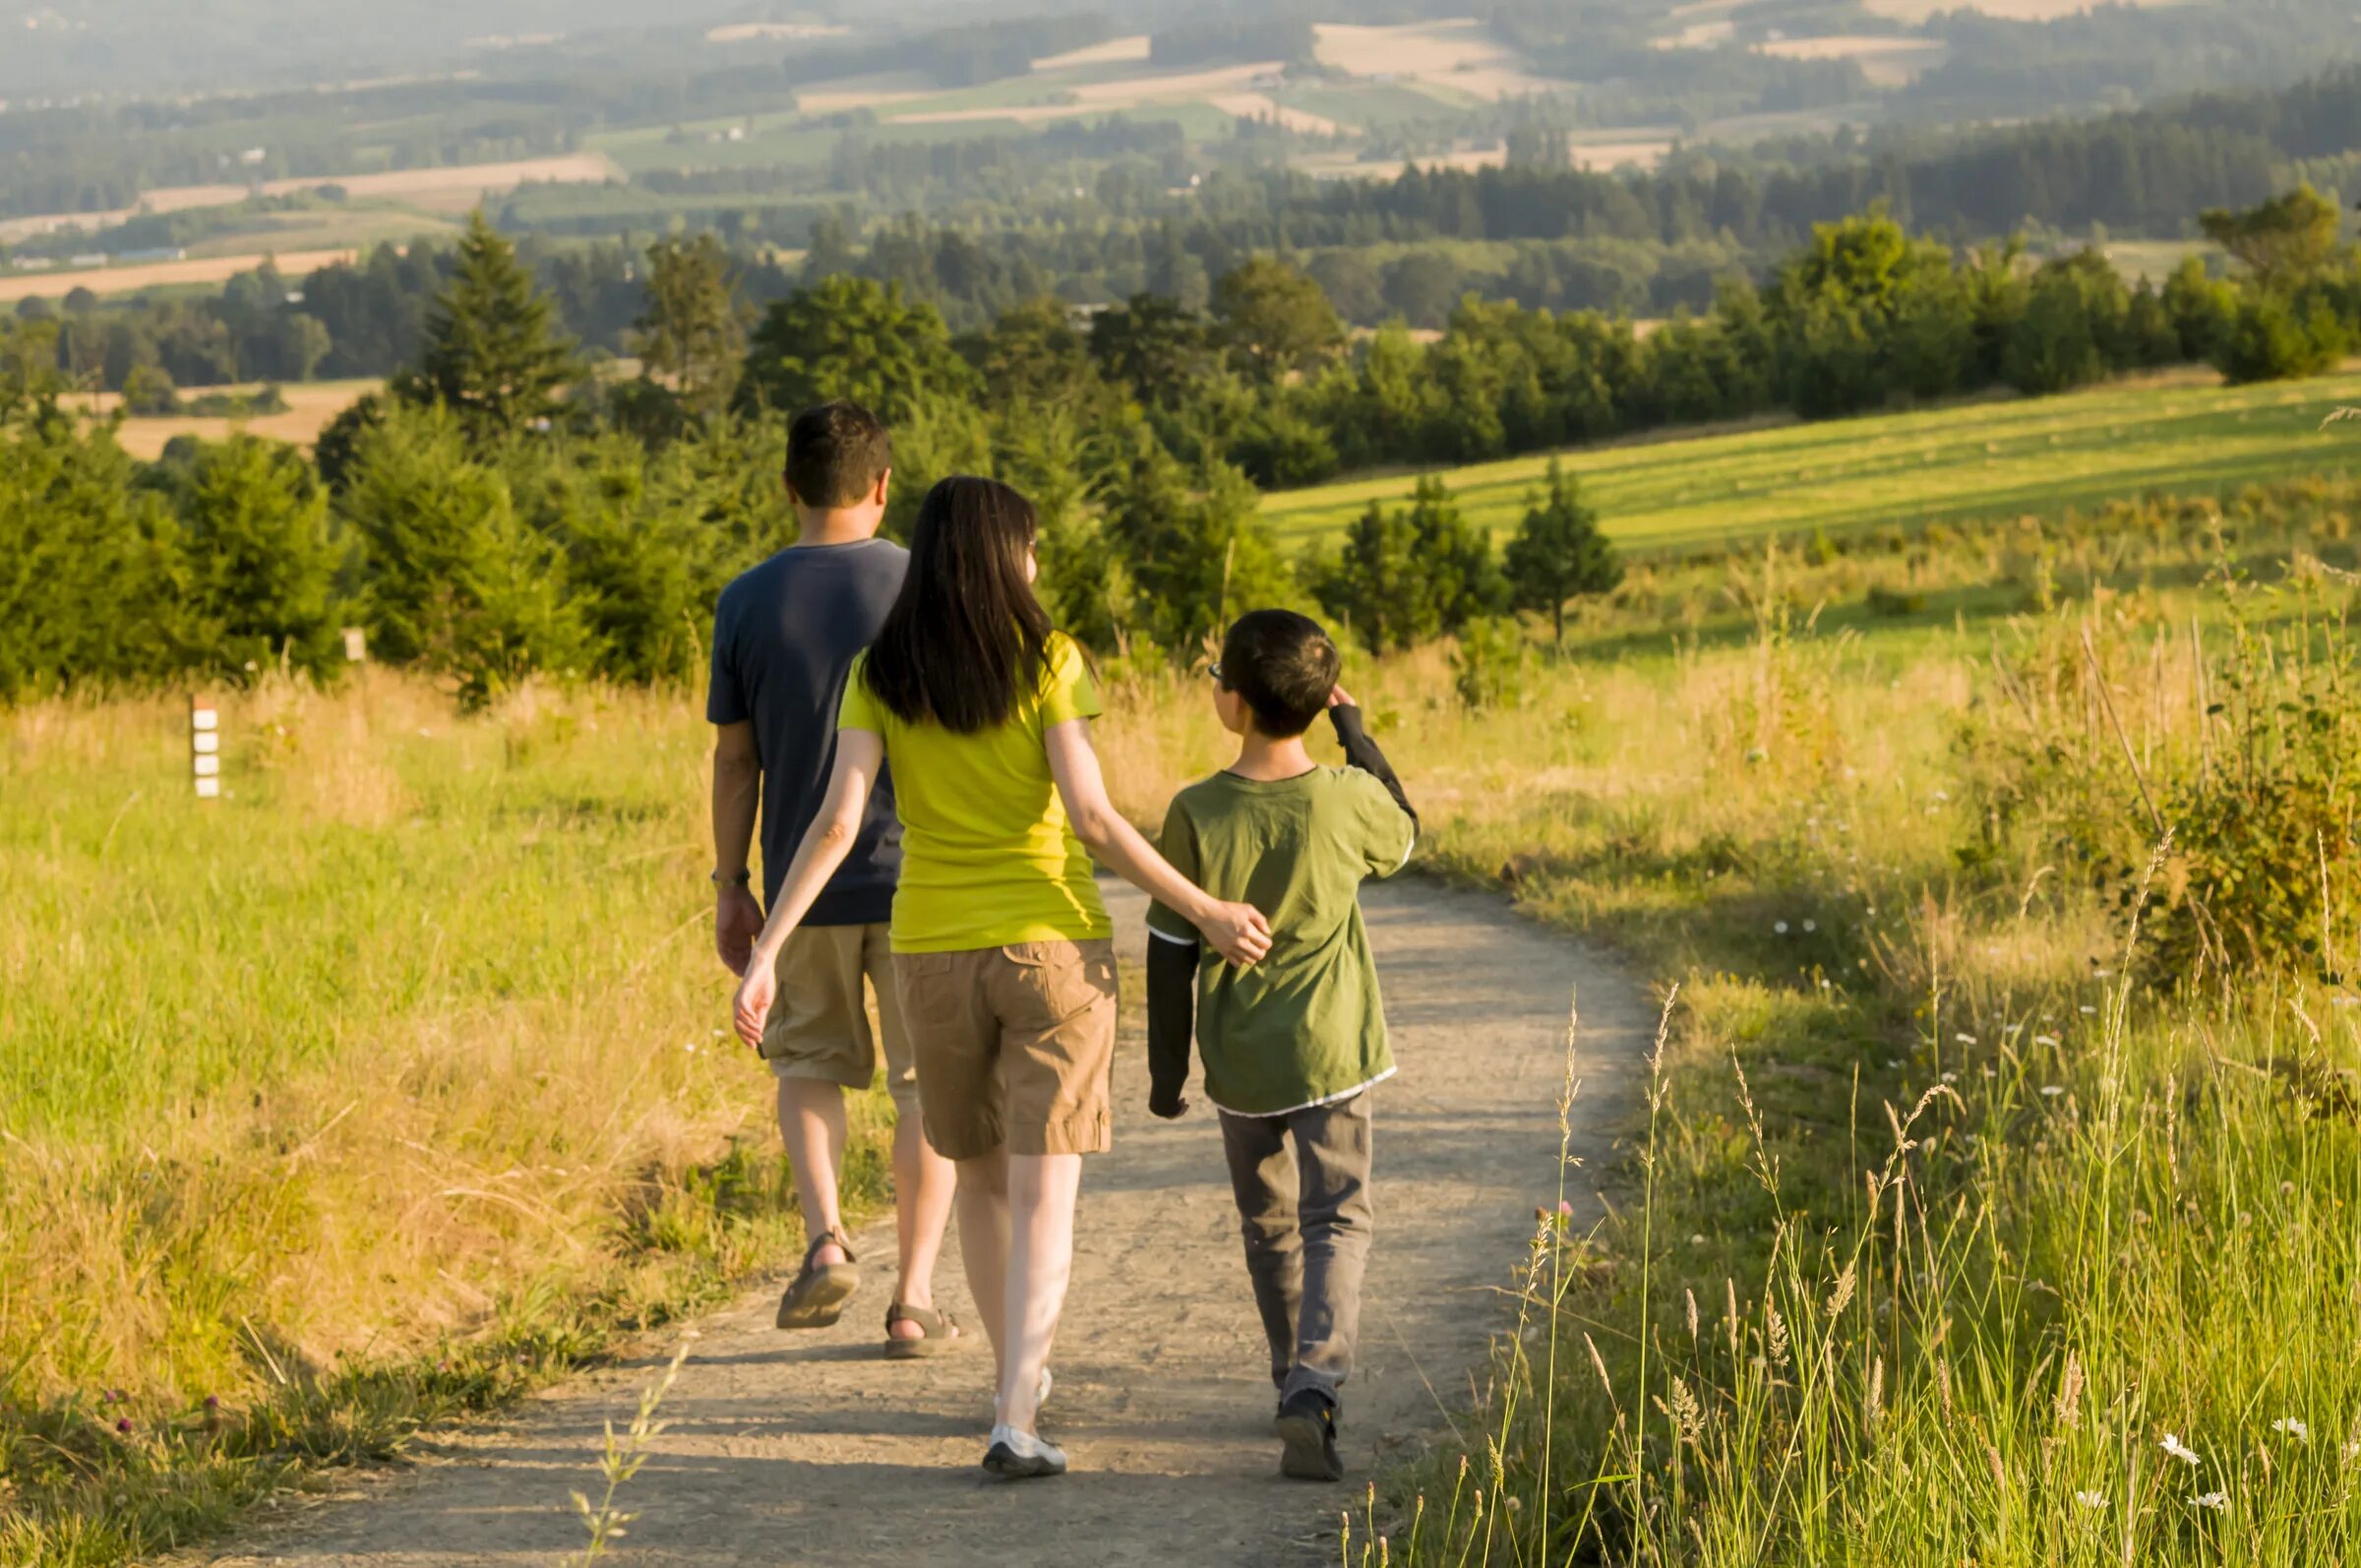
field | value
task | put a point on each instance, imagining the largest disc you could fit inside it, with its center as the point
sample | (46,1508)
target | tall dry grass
(372,1092)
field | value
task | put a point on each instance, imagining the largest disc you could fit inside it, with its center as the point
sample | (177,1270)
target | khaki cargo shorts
(1014,1046)
(820,1024)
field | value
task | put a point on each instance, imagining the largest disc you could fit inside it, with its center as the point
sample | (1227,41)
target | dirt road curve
(806,1449)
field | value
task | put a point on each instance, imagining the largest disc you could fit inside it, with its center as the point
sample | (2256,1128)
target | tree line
(504,508)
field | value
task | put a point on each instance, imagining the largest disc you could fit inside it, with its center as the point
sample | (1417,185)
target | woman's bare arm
(860,756)
(1239,932)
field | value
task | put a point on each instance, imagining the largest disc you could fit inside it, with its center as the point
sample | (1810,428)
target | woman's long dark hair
(966,637)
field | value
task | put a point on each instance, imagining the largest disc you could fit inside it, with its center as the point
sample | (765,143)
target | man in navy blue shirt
(784,637)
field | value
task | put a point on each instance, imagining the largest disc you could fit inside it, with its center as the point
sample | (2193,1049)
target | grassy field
(391,1083)
(2034,458)
(1978,1212)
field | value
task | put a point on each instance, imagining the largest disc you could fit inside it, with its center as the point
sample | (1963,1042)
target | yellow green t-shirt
(989,858)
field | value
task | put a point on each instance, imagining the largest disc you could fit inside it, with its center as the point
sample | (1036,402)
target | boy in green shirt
(1291,1046)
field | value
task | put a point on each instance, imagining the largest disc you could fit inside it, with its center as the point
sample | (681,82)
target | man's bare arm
(737,799)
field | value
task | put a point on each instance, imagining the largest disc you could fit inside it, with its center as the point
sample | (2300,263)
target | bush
(2274,337)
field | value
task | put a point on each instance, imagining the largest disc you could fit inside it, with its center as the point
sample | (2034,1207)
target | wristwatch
(742,880)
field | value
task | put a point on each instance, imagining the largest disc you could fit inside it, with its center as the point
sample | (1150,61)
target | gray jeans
(1307,1219)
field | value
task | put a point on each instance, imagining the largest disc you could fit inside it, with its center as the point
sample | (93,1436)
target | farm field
(310,406)
(134,279)
(2006,459)
(445,191)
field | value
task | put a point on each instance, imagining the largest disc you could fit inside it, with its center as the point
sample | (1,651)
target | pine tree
(690,337)
(494,353)
(1374,585)
(1558,553)
(262,566)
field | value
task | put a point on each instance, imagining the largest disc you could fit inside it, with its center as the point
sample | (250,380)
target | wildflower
(2294,1427)
(2178,1449)
(2045,1039)
(2087,1008)
(1516,1505)
(1780,926)
(1697,1240)
(2050,1091)
(1951,1077)
(2014,1030)
(1965,1039)
(123,1424)
(2092,1500)
(212,1402)
(2217,1501)
(1811,926)
(2344,1002)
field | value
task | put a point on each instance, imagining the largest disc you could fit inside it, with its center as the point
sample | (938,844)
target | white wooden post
(205,746)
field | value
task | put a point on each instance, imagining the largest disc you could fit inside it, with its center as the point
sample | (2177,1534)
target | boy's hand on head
(1239,934)
(1339,698)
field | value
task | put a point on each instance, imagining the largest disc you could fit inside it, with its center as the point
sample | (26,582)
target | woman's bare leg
(983,1205)
(1042,1189)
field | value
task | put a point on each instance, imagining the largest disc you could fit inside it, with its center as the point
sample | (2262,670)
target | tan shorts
(820,1023)
(1014,1046)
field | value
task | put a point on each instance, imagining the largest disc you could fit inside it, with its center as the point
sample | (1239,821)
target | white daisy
(2177,1449)
(2091,1499)
(2217,1501)
(2294,1427)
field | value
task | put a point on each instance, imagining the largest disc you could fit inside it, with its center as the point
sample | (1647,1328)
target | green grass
(2036,457)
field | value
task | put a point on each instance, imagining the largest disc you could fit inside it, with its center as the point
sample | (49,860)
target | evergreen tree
(1374,585)
(454,578)
(493,354)
(691,335)
(261,562)
(1195,547)
(1454,559)
(1559,553)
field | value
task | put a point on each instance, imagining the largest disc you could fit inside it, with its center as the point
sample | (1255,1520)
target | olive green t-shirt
(989,859)
(1305,1025)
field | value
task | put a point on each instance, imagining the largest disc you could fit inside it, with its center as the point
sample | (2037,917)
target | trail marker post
(205,746)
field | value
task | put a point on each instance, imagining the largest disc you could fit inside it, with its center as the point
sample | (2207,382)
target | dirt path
(806,1449)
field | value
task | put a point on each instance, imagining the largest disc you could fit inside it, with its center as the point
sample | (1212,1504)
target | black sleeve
(1362,752)
(1171,1019)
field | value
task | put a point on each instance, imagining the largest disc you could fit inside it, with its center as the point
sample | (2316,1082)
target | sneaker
(1022,1456)
(1307,1425)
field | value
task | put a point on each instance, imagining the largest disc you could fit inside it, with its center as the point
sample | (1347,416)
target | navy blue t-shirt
(784,636)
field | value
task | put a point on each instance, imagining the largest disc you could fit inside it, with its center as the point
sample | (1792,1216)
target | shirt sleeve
(1389,832)
(1069,691)
(725,694)
(1179,846)
(859,711)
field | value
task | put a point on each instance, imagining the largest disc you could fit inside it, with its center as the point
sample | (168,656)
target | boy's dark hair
(837,453)
(1284,666)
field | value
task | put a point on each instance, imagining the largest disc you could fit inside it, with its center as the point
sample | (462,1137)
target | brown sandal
(938,1333)
(817,1297)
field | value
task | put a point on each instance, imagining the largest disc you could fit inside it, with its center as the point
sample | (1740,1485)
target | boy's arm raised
(1362,751)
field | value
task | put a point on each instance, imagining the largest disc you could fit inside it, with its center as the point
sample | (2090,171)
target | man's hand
(737,921)
(755,993)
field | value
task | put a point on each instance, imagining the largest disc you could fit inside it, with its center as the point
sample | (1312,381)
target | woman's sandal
(937,1333)
(817,1297)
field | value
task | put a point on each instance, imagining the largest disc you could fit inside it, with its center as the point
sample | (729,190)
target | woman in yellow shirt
(1001,946)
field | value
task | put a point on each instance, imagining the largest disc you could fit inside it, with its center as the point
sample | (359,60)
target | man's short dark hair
(1284,666)
(837,453)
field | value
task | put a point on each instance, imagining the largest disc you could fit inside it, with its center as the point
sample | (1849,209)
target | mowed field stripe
(2035,456)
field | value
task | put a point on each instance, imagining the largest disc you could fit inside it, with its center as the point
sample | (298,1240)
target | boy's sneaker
(1022,1456)
(1306,1426)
